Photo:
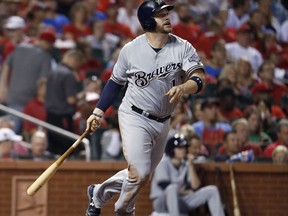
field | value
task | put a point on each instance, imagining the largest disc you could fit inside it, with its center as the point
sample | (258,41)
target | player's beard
(164,29)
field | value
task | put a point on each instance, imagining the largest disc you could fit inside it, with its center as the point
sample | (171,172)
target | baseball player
(175,187)
(159,69)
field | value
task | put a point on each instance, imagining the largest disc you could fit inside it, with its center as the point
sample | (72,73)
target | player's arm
(108,96)
(192,86)
(194,178)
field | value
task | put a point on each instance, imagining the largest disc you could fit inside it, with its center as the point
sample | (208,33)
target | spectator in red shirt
(186,29)
(113,26)
(282,137)
(78,28)
(266,74)
(228,110)
(36,109)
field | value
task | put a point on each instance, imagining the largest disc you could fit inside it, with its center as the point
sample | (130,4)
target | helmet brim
(169,7)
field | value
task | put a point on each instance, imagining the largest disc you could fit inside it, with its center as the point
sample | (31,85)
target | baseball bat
(50,171)
(236,209)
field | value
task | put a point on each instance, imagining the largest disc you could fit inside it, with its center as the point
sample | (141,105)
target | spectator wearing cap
(21,71)
(210,130)
(14,29)
(10,144)
(242,48)
(266,75)
(282,137)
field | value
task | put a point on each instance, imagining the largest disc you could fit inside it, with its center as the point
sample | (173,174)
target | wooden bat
(236,209)
(50,171)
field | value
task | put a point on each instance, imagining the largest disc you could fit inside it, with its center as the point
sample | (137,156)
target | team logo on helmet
(159,1)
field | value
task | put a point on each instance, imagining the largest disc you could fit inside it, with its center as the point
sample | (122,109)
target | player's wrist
(98,112)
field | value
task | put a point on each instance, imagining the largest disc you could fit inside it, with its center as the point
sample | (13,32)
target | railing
(50,127)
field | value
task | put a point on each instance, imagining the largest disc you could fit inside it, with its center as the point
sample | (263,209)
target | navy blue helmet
(147,10)
(178,140)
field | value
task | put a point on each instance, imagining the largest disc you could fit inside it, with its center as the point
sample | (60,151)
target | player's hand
(190,158)
(175,93)
(94,120)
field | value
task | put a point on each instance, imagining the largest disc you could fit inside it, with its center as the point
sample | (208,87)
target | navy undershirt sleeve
(109,95)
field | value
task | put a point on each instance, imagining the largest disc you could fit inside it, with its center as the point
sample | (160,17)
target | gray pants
(174,204)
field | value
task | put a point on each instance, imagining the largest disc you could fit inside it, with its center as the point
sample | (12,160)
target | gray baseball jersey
(149,75)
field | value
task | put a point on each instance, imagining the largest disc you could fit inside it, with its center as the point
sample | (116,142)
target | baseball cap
(15,22)
(9,134)
(207,102)
(48,36)
(244,28)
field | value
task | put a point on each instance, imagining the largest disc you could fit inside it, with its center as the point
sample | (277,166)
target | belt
(148,115)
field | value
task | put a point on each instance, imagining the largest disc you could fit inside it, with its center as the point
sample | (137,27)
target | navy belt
(148,115)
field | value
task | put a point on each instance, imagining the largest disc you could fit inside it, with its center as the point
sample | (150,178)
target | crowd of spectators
(57,55)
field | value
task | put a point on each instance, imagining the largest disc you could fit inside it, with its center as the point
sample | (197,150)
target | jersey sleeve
(162,172)
(191,60)
(119,74)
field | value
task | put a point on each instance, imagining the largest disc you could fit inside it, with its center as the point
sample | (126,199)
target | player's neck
(156,40)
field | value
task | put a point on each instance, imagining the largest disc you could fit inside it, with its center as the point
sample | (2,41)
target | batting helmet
(147,10)
(178,140)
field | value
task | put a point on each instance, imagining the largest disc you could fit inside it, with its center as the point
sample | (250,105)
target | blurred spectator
(36,109)
(266,75)
(196,111)
(242,48)
(228,72)
(78,29)
(238,13)
(197,149)
(282,137)
(271,22)
(228,110)
(176,187)
(102,43)
(11,144)
(111,25)
(210,130)
(185,28)
(218,59)
(242,130)
(111,142)
(24,66)
(14,31)
(275,55)
(182,114)
(6,122)
(257,135)
(91,66)
(256,21)
(245,80)
(127,14)
(230,147)
(213,34)
(53,18)
(61,99)
(280,155)
(284,30)
(38,151)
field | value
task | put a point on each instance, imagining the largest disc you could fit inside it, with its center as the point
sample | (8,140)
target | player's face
(163,21)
